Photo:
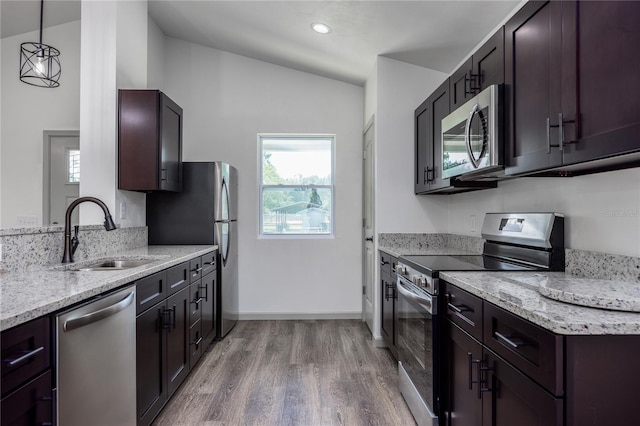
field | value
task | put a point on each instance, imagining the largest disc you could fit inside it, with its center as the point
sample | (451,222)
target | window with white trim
(296,185)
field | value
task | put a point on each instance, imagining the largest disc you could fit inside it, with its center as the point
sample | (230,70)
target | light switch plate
(473,223)
(123,210)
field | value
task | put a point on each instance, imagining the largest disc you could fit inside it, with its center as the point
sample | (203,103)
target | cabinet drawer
(385,263)
(195,343)
(26,351)
(209,262)
(32,404)
(196,301)
(150,290)
(178,277)
(195,269)
(533,350)
(465,310)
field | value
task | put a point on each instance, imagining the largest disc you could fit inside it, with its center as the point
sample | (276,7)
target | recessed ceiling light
(320,28)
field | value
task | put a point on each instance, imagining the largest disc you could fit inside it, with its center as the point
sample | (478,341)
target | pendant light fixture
(40,63)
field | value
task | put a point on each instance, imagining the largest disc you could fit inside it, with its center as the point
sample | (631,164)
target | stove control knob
(401,270)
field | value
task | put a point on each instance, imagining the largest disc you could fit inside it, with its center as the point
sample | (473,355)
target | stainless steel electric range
(513,242)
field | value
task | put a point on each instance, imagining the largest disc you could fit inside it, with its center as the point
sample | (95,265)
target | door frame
(47,135)
(367,127)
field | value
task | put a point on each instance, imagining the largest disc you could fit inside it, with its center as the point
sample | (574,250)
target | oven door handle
(426,302)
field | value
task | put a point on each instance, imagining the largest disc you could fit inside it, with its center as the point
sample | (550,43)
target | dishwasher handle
(100,314)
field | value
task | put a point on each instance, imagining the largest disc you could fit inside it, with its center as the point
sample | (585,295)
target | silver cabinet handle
(24,357)
(100,314)
(514,343)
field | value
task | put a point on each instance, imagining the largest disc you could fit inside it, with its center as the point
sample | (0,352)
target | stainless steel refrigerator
(205,212)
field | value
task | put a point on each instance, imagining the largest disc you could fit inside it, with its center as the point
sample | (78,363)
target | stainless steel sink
(113,265)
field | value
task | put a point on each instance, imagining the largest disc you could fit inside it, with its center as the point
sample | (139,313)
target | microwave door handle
(467,136)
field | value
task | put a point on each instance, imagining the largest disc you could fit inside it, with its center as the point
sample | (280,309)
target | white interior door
(368,246)
(61,184)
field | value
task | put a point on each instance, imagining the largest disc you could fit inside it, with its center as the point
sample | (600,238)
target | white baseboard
(248,316)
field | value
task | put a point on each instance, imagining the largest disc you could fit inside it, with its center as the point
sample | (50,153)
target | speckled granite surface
(518,292)
(28,294)
(605,294)
(410,244)
(29,248)
(590,264)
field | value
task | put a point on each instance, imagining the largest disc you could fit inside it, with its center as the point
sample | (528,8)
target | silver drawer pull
(459,309)
(12,362)
(514,343)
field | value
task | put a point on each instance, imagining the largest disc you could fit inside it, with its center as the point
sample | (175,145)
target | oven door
(418,359)
(471,137)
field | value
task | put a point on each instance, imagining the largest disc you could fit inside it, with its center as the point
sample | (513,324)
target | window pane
(296,161)
(301,210)
(73,166)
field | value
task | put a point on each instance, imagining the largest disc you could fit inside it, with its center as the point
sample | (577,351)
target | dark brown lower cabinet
(465,408)
(178,339)
(162,346)
(511,398)
(484,389)
(208,289)
(32,404)
(151,363)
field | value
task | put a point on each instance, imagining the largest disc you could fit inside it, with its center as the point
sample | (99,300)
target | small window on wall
(73,166)
(296,185)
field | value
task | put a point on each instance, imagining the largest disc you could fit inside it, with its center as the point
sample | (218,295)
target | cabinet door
(514,399)
(423,148)
(604,67)
(208,292)
(178,339)
(170,145)
(533,55)
(464,354)
(488,62)
(151,363)
(386,287)
(439,109)
(29,405)
(196,343)
(461,85)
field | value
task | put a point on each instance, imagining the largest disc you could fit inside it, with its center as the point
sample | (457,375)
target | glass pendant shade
(40,65)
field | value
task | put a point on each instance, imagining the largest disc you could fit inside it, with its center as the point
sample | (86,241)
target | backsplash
(421,243)
(25,248)
(580,263)
(591,264)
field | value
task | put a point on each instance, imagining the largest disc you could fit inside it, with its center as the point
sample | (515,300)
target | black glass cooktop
(432,264)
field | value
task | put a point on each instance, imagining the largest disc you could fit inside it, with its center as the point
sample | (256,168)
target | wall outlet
(473,223)
(26,221)
(123,210)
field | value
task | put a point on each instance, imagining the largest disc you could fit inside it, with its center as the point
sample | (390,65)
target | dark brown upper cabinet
(570,82)
(484,68)
(428,148)
(149,141)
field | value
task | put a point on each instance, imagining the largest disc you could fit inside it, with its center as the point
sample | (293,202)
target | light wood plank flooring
(291,373)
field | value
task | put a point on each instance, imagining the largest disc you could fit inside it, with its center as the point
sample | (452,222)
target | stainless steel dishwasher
(96,362)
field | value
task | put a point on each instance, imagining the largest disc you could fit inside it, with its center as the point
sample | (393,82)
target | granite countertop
(25,295)
(519,293)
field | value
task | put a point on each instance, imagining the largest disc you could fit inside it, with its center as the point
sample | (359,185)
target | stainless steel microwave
(471,137)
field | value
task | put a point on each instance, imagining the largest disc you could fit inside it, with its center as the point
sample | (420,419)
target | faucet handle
(74,240)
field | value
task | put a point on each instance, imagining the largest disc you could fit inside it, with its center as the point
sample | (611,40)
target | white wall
(155,56)
(602,211)
(113,56)
(401,88)
(227,100)
(26,112)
